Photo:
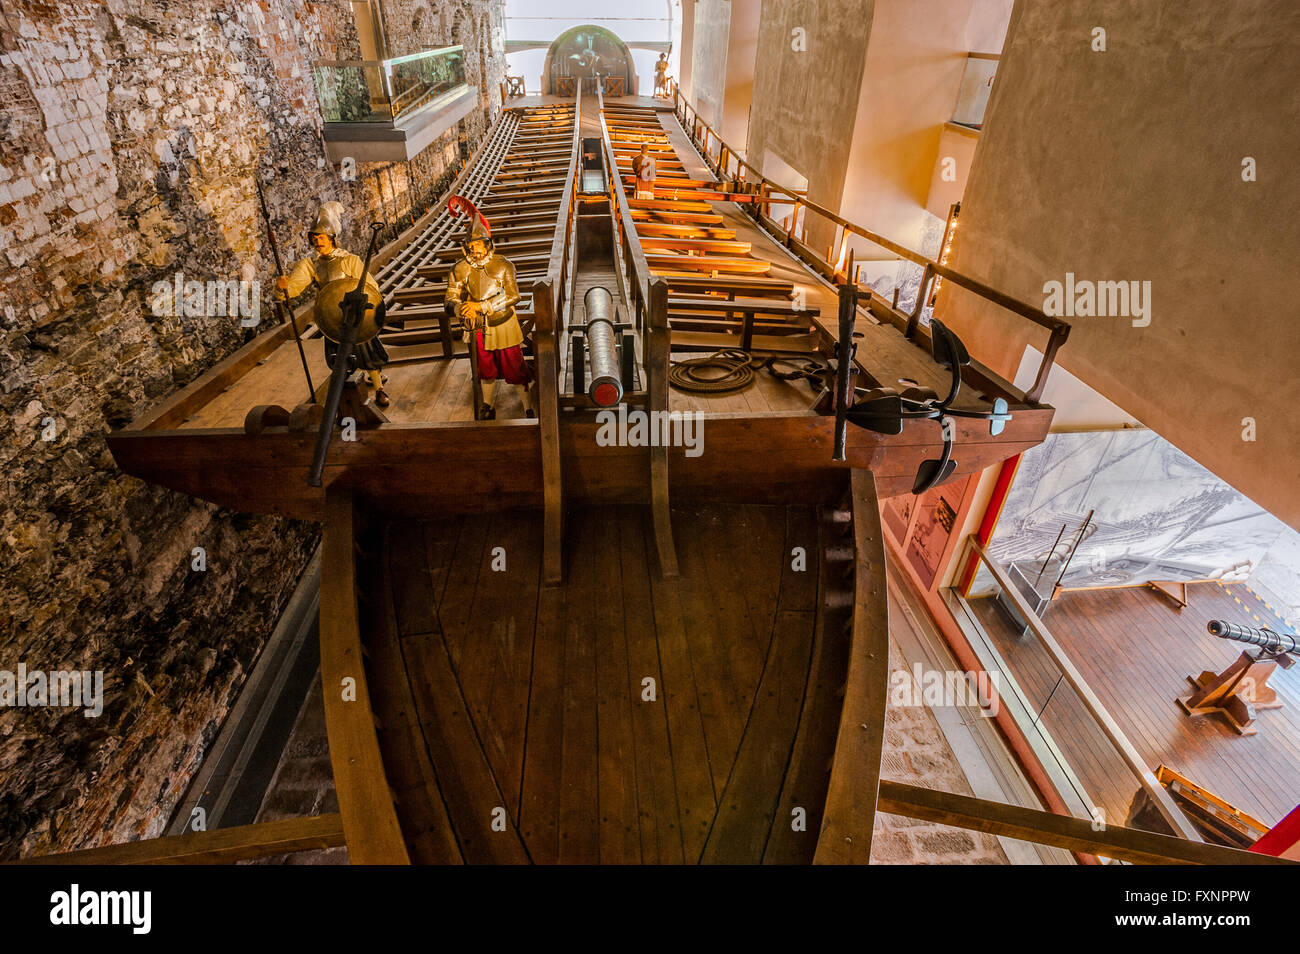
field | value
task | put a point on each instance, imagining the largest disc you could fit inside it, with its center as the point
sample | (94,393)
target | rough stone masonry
(132,130)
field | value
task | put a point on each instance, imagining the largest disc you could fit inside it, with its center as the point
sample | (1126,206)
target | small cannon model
(610,352)
(1265,639)
(1242,688)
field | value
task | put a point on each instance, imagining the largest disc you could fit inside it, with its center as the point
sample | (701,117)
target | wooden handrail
(555,272)
(648,294)
(551,298)
(618,224)
(1060,330)
(219,846)
(637,264)
(1061,831)
(851,797)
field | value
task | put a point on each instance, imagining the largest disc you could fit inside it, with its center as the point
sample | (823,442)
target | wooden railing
(370,824)
(759,192)
(552,306)
(635,279)
(647,296)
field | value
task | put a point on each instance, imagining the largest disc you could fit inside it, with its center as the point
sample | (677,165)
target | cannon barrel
(1266,639)
(606,385)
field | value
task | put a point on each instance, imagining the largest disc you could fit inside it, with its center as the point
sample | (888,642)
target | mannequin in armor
(661,75)
(482,293)
(332,263)
(644,168)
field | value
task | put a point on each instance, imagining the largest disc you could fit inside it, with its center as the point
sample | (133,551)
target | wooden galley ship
(644,619)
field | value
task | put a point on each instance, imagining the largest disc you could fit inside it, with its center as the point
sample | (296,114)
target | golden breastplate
(331,269)
(484,281)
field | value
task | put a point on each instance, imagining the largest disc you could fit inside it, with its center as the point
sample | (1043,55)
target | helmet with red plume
(477,228)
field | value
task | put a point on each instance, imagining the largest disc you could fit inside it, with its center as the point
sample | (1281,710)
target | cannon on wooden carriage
(1242,688)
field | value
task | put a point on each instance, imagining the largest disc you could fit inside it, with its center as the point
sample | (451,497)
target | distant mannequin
(643,167)
(661,75)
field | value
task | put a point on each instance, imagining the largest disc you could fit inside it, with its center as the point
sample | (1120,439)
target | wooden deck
(495,692)
(188,441)
(1135,651)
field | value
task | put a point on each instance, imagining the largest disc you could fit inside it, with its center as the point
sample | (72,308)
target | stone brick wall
(478,25)
(917,753)
(303,784)
(132,131)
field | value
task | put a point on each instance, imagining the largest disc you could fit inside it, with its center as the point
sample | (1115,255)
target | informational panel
(931,536)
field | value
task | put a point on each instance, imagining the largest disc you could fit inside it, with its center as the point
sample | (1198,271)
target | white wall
(633,21)
(914,66)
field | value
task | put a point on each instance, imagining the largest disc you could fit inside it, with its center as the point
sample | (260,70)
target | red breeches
(505,363)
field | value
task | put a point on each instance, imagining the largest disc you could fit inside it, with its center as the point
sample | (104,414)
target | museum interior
(893,461)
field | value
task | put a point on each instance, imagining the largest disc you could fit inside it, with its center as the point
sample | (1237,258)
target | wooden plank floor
(1135,650)
(534,702)
(419,391)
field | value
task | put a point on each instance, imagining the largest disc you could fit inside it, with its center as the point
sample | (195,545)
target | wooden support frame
(1165,588)
(552,297)
(370,825)
(657,349)
(647,296)
(850,813)
(548,384)
(216,847)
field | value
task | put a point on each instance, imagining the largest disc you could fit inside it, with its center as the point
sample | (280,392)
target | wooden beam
(1061,831)
(850,813)
(220,846)
(710,263)
(482,464)
(548,417)
(657,350)
(365,800)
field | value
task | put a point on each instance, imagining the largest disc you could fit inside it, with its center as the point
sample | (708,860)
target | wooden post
(1059,334)
(548,388)
(365,801)
(850,812)
(746,331)
(658,347)
(216,847)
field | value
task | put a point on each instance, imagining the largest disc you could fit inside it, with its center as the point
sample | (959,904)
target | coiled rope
(728,370)
(733,370)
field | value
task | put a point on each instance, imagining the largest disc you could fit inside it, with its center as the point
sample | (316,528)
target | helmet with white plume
(329,221)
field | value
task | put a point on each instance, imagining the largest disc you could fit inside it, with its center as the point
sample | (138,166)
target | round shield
(329,310)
